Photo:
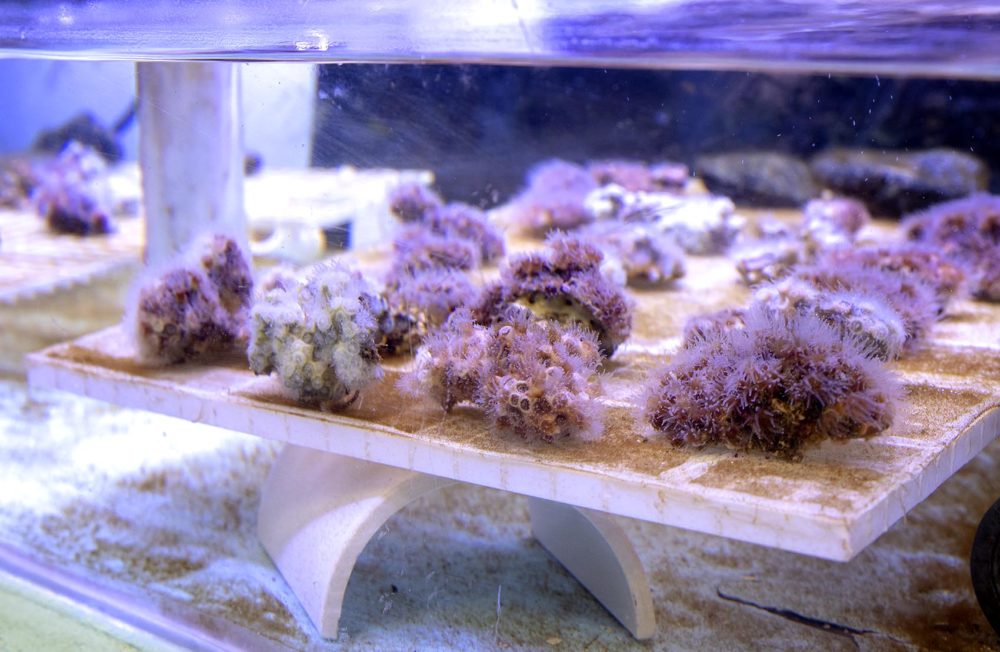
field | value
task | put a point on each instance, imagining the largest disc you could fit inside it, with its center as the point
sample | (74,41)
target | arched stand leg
(317,513)
(319,510)
(595,549)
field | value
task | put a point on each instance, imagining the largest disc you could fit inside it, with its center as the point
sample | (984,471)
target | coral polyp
(318,335)
(700,225)
(542,385)
(451,364)
(826,224)
(566,285)
(198,307)
(773,385)
(910,260)
(835,214)
(630,175)
(863,314)
(533,379)
(912,299)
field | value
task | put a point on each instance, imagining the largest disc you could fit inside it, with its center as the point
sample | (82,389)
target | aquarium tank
(529,324)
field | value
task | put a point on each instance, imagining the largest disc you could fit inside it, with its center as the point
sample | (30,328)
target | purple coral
(909,296)
(861,313)
(839,214)
(413,202)
(418,302)
(914,260)
(967,231)
(554,198)
(451,364)
(535,379)
(630,175)
(197,308)
(767,259)
(18,178)
(542,384)
(566,285)
(773,385)
(826,223)
(72,194)
(635,176)
(417,248)
(461,221)
(713,324)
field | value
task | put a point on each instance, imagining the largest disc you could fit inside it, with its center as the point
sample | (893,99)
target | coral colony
(536,379)
(412,202)
(639,177)
(427,281)
(416,204)
(564,284)
(198,307)
(415,303)
(967,232)
(72,195)
(318,335)
(18,178)
(772,385)
(700,225)
(805,361)
(554,198)
(826,223)
(417,249)
(557,196)
(644,255)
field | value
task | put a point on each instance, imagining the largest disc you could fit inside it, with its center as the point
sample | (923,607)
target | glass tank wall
(797,133)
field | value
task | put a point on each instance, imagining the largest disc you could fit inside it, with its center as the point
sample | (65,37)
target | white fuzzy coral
(700,225)
(319,335)
(862,316)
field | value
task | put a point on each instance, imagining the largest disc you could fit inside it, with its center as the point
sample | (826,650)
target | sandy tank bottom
(163,512)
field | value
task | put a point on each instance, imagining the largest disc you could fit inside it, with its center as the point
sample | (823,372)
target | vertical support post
(191,153)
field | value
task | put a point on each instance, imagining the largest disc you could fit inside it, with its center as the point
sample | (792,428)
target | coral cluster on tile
(71,193)
(826,223)
(699,224)
(318,334)
(967,232)
(563,284)
(556,197)
(637,254)
(774,384)
(415,303)
(196,307)
(535,379)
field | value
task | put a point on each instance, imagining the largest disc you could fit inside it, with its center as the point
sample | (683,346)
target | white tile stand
(318,511)
(344,473)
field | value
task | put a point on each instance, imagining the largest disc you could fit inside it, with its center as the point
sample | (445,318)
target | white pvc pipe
(191,153)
